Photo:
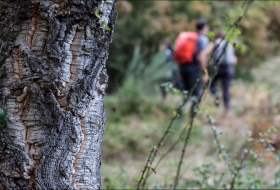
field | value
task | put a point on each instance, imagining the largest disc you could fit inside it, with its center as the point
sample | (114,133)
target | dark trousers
(225,74)
(191,79)
(175,79)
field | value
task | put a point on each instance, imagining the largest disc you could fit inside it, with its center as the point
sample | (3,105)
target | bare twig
(160,143)
(183,153)
(147,166)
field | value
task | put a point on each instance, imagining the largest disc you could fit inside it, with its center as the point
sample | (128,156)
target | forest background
(137,116)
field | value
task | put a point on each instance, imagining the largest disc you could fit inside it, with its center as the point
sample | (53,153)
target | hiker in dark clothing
(172,74)
(223,66)
(191,72)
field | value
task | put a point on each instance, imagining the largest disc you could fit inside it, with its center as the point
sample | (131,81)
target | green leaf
(96,12)
(229,22)
(3,115)
(104,23)
(225,28)
(107,28)
(240,47)
(138,177)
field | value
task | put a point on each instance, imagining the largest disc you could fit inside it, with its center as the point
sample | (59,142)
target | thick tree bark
(53,78)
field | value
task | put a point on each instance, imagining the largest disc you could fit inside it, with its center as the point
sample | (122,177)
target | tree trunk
(53,78)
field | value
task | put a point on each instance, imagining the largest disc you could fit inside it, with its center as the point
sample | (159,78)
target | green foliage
(3,116)
(106,28)
(245,171)
(96,12)
(242,168)
(240,47)
(157,20)
(146,71)
(119,182)
(211,35)
(128,99)
(140,77)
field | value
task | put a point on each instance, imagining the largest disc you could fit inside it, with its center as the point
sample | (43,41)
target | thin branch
(238,170)
(171,148)
(147,166)
(160,143)
(183,152)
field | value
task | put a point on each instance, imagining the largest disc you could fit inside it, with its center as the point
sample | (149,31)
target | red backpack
(184,47)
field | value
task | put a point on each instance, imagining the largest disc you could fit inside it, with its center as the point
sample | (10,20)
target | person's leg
(214,89)
(186,84)
(195,97)
(195,85)
(186,77)
(192,83)
(177,80)
(213,86)
(226,81)
(162,88)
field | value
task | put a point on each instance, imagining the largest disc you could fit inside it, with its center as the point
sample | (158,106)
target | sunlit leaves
(240,47)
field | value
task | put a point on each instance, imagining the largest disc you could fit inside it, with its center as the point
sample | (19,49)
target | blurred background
(138,112)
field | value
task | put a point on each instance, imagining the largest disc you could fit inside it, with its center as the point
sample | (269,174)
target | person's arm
(234,62)
(203,55)
(203,48)
(232,54)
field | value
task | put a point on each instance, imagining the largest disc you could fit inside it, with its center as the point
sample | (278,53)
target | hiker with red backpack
(187,52)
(223,63)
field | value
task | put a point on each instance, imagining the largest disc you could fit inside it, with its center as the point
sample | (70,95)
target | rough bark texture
(53,78)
